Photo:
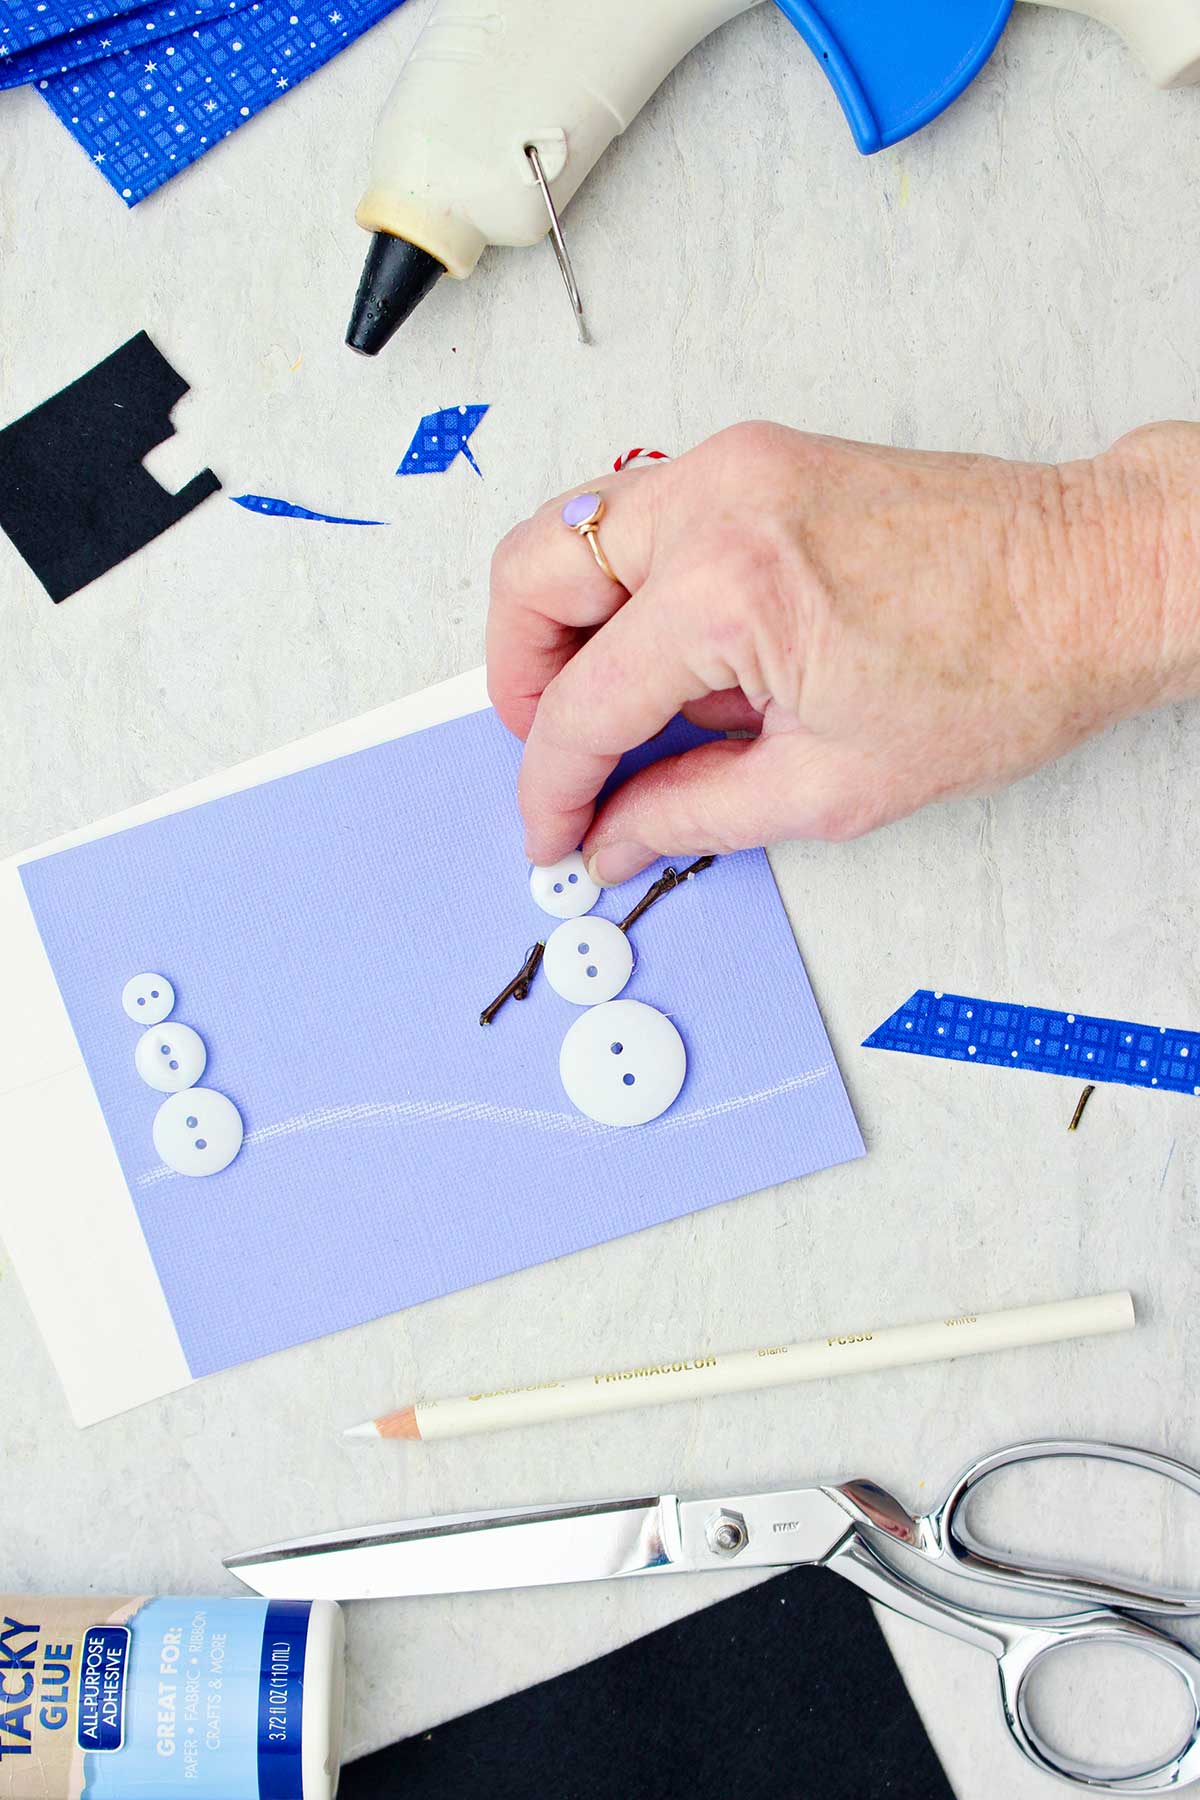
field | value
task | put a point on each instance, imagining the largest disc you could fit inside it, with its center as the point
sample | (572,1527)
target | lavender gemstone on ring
(580,510)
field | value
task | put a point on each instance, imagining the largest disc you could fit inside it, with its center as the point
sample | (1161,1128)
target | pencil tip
(402,1424)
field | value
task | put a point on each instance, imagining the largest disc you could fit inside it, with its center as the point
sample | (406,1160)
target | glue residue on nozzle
(395,279)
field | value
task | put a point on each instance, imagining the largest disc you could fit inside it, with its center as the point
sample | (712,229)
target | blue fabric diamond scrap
(99,37)
(960,1028)
(439,438)
(146,114)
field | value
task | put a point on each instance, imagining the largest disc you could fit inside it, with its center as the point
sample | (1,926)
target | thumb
(731,795)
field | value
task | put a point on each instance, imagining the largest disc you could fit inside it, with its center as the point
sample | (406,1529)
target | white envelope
(66,1215)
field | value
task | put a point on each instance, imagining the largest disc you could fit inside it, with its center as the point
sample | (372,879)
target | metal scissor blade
(468,1552)
(464,1553)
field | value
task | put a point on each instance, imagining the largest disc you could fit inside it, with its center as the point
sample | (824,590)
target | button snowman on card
(196,1131)
(622,1062)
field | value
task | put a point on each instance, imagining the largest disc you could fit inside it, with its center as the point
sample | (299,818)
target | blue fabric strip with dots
(287,509)
(24,23)
(144,115)
(962,1029)
(89,35)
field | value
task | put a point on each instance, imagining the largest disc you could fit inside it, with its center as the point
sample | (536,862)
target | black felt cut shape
(74,497)
(785,1692)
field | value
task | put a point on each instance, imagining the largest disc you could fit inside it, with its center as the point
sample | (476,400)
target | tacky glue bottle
(113,1698)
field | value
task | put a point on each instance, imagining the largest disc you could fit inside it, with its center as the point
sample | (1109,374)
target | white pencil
(691,1378)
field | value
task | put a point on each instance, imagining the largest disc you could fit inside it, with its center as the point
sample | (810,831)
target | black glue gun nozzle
(397,276)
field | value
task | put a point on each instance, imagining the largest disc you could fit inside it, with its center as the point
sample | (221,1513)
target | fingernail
(616,863)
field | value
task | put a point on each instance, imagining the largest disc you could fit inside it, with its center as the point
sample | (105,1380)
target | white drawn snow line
(385,1112)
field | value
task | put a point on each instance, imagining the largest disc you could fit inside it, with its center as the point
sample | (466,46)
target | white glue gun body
(487,80)
(1163,34)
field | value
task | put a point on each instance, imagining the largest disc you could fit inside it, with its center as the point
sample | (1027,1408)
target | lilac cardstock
(333,936)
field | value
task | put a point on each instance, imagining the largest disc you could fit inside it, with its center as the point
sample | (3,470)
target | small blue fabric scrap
(962,1029)
(287,509)
(439,438)
(142,117)
(25,57)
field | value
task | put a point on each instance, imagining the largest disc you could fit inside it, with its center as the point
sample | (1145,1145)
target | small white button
(198,1133)
(622,1063)
(170,1057)
(148,999)
(588,961)
(564,889)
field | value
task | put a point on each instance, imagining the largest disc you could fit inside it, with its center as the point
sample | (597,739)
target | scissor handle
(949,1539)
(1022,1645)
(1033,1647)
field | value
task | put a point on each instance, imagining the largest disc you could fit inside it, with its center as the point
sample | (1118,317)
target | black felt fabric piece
(786,1692)
(74,497)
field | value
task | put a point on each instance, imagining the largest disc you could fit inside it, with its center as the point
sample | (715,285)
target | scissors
(844,1528)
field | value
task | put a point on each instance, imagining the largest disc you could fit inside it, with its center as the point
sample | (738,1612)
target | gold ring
(583,515)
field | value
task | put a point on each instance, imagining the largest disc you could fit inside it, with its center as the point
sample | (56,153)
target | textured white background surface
(1020,278)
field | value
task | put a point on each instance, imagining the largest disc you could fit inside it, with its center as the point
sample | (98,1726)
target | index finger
(623,686)
(548,594)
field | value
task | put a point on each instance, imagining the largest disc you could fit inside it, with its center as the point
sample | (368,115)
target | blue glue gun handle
(896,64)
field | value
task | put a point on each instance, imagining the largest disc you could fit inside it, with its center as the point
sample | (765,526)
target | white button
(564,889)
(622,1063)
(170,1057)
(588,960)
(198,1133)
(148,999)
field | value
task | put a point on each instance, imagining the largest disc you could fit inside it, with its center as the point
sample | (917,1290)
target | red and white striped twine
(653,455)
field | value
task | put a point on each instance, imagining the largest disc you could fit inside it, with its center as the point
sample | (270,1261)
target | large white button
(198,1133)
(148,999)
(622,1063)
(564,889)
(170,1057)
(588,960)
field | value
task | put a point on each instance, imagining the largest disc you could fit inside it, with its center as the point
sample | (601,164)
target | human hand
(893,627)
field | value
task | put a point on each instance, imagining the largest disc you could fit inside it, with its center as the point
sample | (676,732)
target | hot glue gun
(504,106)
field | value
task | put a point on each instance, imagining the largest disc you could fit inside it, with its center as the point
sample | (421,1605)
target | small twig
(1086,1095)
(666,883)
(518,987)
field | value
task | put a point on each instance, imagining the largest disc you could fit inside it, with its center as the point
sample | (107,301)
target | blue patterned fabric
(963,1029)
(287,509)
(27,22)
(25,58)
(439,438)
(145,114)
